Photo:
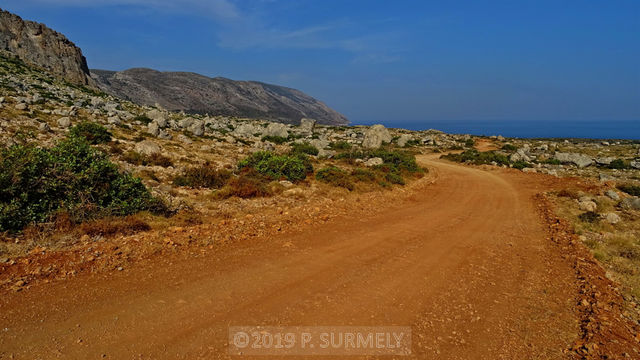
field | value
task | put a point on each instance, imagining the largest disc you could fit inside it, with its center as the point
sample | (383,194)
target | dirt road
(465,263)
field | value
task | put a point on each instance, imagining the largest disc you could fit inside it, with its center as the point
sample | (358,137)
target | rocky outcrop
(36,44)
(194,93)
(375,136)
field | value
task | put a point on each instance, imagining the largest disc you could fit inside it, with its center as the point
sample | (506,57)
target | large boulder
(307,125)
(247,130)
(64,122)
(580,160)
(277,129)
(153,128)
(519,155)
(403,140)
(197,128)
(375,136)
(147,147)
(588,206)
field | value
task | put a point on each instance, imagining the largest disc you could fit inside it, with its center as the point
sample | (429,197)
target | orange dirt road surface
(466,263)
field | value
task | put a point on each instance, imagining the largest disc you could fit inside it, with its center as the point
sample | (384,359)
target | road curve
(465,263)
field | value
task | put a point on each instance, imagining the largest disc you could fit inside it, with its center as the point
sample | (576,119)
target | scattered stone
(22,106)
(403,140)
(197,128)
(635,164)
(286,183)
(153,128)
(612,194)
(183,138)
(64,122)
(606,177)
(44,127)
(147,147)
(529,170)
(630,203)
(580,160)
(373,162)
(612,218)
(114,120)
(604,160)
(375,136)
(277,129)
(588,206)
(307,125)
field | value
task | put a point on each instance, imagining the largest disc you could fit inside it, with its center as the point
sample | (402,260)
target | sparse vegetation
(248,184)
(293,167)
(340,145)
(136,158)
(304,148)
(36,183)
(275,139)
(335,176)
(93,132)
(476,157)
(630,189)
(205,176)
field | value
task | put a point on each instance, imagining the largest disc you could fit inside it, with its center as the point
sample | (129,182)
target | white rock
(612,218)
(373,162)
(375,136)
(64,122)
(588,206)
(147,147)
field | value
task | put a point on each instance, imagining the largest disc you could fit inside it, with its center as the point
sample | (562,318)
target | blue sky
(389,61)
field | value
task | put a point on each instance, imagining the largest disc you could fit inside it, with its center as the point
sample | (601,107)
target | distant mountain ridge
(38,45)
(195,93)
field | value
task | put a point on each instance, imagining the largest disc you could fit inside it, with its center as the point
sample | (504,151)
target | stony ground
(560,211)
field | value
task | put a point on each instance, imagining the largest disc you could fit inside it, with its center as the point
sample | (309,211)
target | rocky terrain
(38,45)
(306,209)
(194,93)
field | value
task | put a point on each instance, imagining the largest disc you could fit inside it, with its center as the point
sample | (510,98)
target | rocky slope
(194,93)
(38,45)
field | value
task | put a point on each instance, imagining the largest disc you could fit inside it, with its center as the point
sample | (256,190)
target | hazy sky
(381,60)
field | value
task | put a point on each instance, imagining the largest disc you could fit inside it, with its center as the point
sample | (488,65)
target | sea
(614,129)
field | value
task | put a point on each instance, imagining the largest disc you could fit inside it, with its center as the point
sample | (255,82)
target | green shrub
(204,176)
(340,145)
(36,183)
(553,162)
(400,160)
(633,190)
(394,178)
(476,157)
(275,139)
(335,176)
(364,175)
(469,143)
(509,147)
(618,164)
(93,132)
(143,119)
(589,217)
(292,167)
(521,165)
(304,148)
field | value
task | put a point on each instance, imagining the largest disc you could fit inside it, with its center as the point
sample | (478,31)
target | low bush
(143,119)
(340,145)
(469,143)
(553,162)
(205,176)
(248,184)
(336,177)
(633,190)
(400,160)
(476,157)
(136,158)
(394,178)
(521,165)
(93,132)
(364,175)
(293,167)
(509,147)
(275,139)
(589,217)
(304,148)
(111,226)
(618,164)
(36,183)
